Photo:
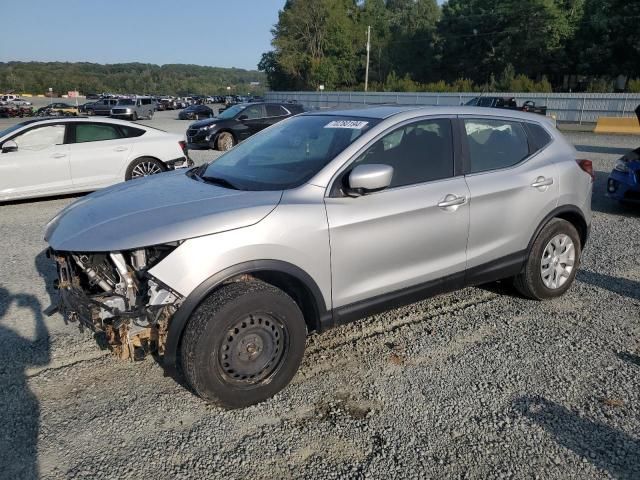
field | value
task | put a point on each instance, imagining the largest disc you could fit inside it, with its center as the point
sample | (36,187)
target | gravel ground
(476,384)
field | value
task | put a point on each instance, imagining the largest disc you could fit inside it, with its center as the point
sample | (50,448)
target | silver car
(133,109)
(319,220)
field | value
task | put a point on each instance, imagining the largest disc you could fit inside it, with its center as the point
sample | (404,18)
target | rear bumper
(180,162)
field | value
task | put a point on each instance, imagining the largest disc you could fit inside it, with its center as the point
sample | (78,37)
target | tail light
(587,166)
(183,146)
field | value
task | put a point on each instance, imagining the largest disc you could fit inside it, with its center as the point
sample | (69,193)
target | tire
(225,142)
(90,113)
(134,117)
(235,318)
(144,167)
(558,246)
(150,116)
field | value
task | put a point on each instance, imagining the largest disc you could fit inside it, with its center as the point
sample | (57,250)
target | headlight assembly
(621,166)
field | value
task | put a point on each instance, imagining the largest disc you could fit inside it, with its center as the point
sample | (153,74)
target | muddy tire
(553,262)
(243,344)
(225,142)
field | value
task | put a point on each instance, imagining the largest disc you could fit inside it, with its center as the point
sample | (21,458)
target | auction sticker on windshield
(353,124)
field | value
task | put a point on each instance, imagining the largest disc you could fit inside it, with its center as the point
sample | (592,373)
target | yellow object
(618,125)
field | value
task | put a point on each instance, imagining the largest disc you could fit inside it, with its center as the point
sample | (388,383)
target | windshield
(231,112)
(13,128)
(287,154)
(126,102)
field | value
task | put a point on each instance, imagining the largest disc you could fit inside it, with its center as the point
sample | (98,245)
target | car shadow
(603,204)
(621,286)
(605,150)
(19,406)
(629,358)
(607,448)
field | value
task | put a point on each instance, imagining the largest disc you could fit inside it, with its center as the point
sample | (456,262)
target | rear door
(275,113)
(513,185)
(40,165)
(98,152)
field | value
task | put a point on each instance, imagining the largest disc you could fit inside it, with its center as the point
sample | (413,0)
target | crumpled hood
(155,210)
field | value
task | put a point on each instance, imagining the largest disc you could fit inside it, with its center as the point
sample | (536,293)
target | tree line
(38,77)
(509,45)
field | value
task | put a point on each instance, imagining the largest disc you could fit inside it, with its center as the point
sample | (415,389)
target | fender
(181,317)
(583,230)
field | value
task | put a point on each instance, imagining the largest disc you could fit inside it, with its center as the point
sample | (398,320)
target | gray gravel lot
(476,384)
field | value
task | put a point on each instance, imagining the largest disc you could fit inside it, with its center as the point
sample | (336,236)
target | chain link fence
(567,107)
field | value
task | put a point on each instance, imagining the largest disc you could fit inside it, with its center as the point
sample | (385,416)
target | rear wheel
(243,344)
(225,141)
(134,117)
(150,114)
(90,113)
(144,167)
(552,263)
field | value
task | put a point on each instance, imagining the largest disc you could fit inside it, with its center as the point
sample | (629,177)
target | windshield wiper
(223,182)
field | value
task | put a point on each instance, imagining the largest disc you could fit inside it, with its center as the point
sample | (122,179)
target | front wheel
(134,117)
(552,263)
(144,167)
(243,344)
(225,141)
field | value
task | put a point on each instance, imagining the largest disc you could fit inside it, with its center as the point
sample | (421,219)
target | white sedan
(54,156)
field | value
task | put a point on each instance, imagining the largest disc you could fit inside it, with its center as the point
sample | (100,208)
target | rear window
(130,132)
(495,144)
(538,136)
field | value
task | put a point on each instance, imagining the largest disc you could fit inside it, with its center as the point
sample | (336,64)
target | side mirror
(9,146)
(369,178)
(242,118)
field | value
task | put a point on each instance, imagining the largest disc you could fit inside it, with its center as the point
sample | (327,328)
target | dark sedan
(195,112)
(238,123)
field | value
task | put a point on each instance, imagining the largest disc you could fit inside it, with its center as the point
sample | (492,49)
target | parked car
(7,98)
(624,181)
(195,112)
(52,156)
(322,219)
(58,109)
(12,111)
(133,109)
(507,102)
(237,123)
(101,107)
(19,102)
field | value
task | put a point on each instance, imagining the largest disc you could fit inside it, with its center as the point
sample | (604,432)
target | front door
(40,166)
(409,234)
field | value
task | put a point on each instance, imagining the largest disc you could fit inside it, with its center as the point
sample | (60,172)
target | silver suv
(319,220)
(133,109)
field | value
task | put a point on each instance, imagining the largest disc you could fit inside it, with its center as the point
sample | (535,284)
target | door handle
(59,155)
(452,200)
(120,149)
(542,182)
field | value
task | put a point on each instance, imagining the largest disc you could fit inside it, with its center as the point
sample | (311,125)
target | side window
(274,111)
(255,111)
(41,138)
(131,132)
(495,144)
(419,152)
(538,136)
(94,132)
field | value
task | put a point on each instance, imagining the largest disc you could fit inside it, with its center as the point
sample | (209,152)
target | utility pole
(366,74)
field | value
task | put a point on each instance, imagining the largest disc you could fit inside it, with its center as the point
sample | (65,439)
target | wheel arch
(571,214)
(291,279)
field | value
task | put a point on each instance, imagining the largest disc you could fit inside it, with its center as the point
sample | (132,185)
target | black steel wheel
(243,344)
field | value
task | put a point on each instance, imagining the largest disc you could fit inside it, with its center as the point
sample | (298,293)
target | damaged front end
(114,295)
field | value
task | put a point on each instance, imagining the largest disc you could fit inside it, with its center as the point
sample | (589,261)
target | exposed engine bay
(114,295)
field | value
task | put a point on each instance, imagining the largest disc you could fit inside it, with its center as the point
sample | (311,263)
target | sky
(221,33)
